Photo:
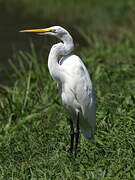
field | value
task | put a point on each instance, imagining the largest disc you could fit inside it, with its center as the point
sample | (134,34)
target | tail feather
(88,123)
(87,133)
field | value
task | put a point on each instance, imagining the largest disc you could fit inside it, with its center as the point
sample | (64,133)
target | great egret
(74,84)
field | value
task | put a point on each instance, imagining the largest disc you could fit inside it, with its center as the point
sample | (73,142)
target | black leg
(72,136)
(77,133)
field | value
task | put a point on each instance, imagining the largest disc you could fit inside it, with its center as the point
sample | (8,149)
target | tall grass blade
(16,70)
(26,92)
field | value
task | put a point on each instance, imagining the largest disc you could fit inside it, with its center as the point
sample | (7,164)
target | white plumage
(77,93)
(74,83)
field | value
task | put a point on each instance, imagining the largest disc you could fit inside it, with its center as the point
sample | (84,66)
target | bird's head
(57,31)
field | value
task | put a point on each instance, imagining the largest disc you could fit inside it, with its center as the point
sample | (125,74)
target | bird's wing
(78,83)
(77,77)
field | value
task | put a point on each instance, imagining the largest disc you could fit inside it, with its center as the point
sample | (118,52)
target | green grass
(34,133)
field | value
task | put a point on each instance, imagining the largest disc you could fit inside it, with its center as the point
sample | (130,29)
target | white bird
(74,83)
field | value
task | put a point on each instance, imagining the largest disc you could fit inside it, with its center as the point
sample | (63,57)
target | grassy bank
(34,134)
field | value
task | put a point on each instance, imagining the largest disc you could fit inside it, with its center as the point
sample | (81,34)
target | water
(11,40)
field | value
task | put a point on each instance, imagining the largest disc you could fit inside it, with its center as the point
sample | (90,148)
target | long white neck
(59,49)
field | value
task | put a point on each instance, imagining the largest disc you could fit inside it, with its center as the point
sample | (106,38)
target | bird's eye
(53,30)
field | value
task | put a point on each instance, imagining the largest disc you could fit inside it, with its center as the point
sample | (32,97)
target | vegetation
(34,132)
(91,13)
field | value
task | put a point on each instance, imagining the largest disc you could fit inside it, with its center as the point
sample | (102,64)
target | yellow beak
(36,30)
